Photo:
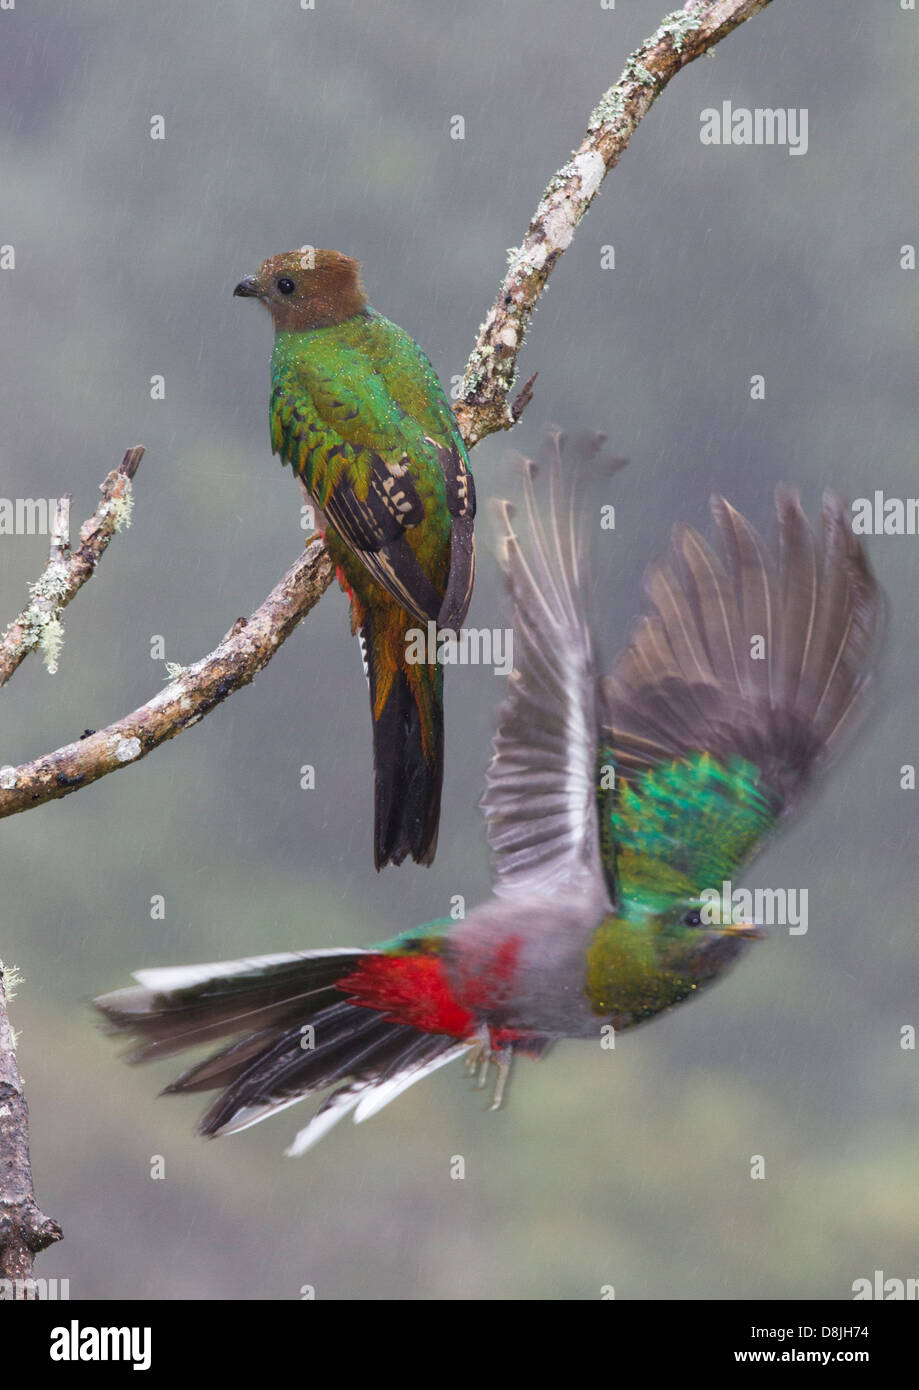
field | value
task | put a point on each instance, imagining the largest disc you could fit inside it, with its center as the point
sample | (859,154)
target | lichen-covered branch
(67,570)
(485,405)
(484,408)
(194,692)
(24,1229)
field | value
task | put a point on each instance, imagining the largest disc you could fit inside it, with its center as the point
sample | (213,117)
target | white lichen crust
(39,626)
(491,370)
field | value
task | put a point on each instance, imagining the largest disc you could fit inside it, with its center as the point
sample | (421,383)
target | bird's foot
(482,1055)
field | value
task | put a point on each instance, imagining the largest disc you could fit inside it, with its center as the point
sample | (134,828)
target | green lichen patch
(676,27)
(51,643)
(121,509)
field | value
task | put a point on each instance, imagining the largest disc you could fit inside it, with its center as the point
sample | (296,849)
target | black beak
(248,288)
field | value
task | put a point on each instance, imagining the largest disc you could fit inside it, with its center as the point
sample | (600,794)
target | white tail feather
(365,1098)
(335,1109)
(380,1095)
(162,979)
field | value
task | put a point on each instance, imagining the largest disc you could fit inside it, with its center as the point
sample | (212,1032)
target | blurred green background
(331,126)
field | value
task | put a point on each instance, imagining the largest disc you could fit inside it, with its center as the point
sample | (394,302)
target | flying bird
(615,808)
(359,414)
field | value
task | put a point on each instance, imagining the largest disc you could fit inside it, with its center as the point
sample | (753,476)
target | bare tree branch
(681,38)
(24,1229)
(249,646)
(39,625)
(195,691)
(491,369)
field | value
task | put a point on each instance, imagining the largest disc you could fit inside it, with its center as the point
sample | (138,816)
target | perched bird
(358,413)
(749,665)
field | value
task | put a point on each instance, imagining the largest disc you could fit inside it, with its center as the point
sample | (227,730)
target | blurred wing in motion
(540,797)
(748,667)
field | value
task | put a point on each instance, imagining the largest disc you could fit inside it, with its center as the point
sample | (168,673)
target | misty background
(332,126)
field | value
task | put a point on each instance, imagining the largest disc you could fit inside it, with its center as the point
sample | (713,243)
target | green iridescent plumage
(738,684)
(358,413)
(680,825)
(614,809)
(668,835)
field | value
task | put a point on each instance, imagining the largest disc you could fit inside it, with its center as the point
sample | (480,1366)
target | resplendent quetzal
(360,416)
(749,665)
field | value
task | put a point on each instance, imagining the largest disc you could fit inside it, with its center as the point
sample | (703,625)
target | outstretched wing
(540,797)
(749,666)
(368,428)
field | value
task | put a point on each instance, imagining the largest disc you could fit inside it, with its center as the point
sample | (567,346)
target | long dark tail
(408,752)
(294,1032)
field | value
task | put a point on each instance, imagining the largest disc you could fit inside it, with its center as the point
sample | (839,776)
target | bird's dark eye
(286,285)
(693,918)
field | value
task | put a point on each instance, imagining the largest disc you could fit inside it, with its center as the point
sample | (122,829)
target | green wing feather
(358,412)
(683,827)
(747,666)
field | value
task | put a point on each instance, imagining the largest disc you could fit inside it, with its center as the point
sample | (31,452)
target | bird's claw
(483,1055)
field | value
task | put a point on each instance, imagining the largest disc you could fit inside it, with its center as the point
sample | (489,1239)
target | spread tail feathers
(408,752)
(293,1032)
